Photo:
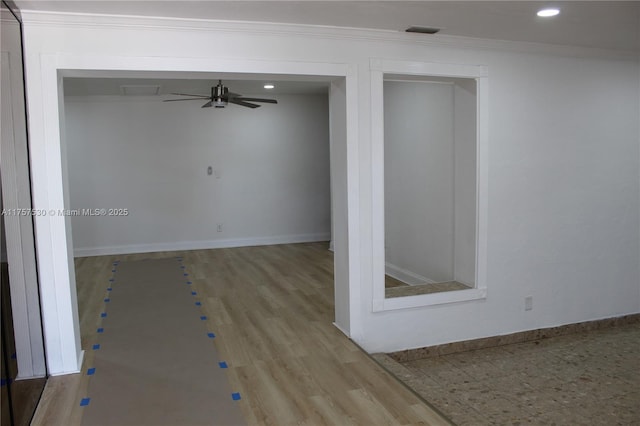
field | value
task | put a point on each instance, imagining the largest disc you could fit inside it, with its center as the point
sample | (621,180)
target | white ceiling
(199,85)
(613,25)
(599,24)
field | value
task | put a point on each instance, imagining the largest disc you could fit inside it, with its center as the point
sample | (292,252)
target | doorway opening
(168,176)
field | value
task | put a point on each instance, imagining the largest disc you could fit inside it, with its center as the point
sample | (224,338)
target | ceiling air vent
(423,30)
(140,90)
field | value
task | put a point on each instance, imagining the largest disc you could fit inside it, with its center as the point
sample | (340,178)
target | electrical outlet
(528,303)
(219,227)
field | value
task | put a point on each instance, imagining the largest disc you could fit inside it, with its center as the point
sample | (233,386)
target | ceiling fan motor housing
(217,93)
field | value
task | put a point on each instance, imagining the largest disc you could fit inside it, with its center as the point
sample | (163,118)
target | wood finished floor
(271,308)
(413,290)
(396,288)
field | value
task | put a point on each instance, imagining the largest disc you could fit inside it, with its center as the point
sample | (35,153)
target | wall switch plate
(528,303)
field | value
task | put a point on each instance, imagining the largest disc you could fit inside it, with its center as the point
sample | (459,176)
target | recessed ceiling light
(269,86)
(547,13)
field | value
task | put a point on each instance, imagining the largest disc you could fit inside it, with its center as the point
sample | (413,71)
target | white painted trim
(92,20)
(379,67)
(353,241)
(427,69)
(433,299)
(20,249)
(482,180)
(200,245)
(406,276)
(62,335)
(377,184)
(57,289)
(341,104)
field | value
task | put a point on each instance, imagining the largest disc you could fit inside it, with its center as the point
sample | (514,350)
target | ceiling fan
(220,97)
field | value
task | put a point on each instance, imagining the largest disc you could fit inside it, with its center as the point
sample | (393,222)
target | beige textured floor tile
(438,370)
(587,378)
(562,417)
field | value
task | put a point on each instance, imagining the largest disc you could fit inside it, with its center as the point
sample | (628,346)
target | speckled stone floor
(590,378)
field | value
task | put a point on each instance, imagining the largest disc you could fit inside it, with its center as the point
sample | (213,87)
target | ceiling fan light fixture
(220,97)
(548,12)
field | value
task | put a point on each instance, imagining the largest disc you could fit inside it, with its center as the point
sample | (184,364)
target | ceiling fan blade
(180,100)
(207,105)
(268,101)
(187,94)
(238,101)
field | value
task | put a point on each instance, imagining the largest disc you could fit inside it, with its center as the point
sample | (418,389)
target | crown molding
(33,18)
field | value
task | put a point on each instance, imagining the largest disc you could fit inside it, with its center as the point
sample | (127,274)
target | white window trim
(378,68)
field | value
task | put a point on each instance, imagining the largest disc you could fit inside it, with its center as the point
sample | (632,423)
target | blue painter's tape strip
(113,270)
(186,275)
(103,315)
(182,267)
(109,289)
(193,293)
(96,346)
(110,279)
(198,303)
(203,318)
(107,300)
(211,335)
(235,396)
(91,371)
(223,364)
(189,282)
(100,330)
(84,402)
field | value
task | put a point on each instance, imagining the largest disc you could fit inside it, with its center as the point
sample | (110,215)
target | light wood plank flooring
(271,308)
(412,290)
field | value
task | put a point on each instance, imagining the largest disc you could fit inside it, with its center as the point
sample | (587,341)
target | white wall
(271,180)
(562,186)
(419,179)
(465,171)
(562,169)
(430,180)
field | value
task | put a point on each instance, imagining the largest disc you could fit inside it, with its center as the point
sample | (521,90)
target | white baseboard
(405,275)
(200,245)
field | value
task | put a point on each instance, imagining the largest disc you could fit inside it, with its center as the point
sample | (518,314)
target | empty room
(324,212)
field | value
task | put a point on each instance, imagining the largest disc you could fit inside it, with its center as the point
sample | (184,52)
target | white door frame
(45,75)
